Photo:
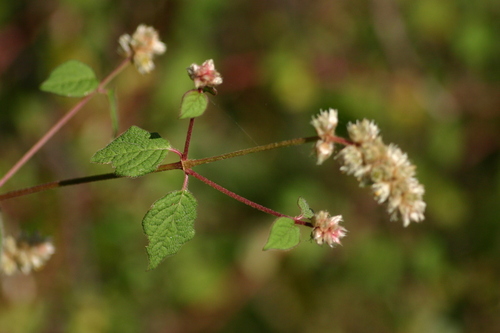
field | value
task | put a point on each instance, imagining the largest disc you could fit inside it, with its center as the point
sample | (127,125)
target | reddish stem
(188,139)
(242,199)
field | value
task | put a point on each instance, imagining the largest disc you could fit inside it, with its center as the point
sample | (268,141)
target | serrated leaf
(168,225)
(134,153)
(194,104)
(305,211)
(73,78)
(284,235)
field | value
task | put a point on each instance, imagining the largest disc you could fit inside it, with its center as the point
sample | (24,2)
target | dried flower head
(386,169)
(25,254)
(142,46)
(205,75)
(325,124)
(326,228)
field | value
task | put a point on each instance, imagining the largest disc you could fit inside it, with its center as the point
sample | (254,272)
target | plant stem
(57,126)
(287,143)
(76,181)
(244,200)
(182,165)
(234,195)
(188,139)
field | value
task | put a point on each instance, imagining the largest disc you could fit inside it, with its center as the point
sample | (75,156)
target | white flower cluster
(142,46)
(24,255)
(326,228)
(386,169)
(325,124)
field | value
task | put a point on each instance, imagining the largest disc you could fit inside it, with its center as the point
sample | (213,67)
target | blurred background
(427,72)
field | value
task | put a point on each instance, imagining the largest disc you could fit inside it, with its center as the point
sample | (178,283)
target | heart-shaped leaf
(73,79)
(284,235)
(194,103)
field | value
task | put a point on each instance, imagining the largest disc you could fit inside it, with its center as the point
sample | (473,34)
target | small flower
(325,124)
(205,75)
(386,169)
(326,228)
(363,131)
(25,254)
(142,46)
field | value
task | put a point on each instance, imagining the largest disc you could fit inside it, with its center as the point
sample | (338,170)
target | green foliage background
(426,71)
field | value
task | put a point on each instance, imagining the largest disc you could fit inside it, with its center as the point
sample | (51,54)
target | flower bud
(326,228)
(205,75)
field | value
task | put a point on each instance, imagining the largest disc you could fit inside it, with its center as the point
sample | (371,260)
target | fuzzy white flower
(142,46)
(363,131)
(325,124)
(25,255)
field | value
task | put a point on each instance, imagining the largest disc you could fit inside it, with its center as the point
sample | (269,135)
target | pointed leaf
(305,211)
(168,225)
(73,78)
(194,104)
(134,153)
(284,235)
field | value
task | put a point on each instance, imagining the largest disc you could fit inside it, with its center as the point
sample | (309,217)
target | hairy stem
(57,126)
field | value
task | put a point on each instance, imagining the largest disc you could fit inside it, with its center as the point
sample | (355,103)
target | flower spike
(386,169)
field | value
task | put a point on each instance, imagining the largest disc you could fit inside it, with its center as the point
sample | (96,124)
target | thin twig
(244,200)
(76,181)
(57,126)
(287,143)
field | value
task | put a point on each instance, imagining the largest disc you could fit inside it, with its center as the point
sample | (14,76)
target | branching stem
(185,165)
(57,126)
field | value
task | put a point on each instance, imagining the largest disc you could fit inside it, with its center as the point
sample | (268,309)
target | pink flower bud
(327,229)
(205,75)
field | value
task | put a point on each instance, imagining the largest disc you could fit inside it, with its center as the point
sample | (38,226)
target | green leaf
(284,235)
(73,78)
(305,211)
(134,153)
(194,104)
(168,225)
